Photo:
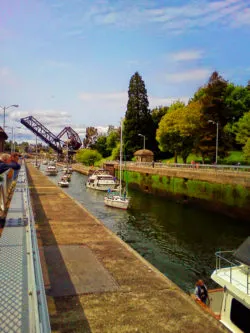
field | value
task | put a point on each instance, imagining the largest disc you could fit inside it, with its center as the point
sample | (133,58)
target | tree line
(180,129)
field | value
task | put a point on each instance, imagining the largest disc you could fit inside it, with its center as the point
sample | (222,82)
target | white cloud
(157,101)
(191,15)
(190,75)
(186,55)
(242,18)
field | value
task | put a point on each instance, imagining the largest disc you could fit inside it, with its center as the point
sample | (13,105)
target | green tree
(88,156)
(101,145)
(138,119)
(157,113)
(246,149)
(237,101)
(242,129)
(112,140)
(90,137)
(177,129)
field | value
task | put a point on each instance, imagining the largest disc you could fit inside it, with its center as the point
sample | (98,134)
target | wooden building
(144,155)
(3,138)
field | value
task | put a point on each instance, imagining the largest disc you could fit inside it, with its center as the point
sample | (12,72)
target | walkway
(97,283)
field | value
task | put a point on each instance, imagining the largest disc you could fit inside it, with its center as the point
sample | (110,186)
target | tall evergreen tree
(138,119)
(214,110)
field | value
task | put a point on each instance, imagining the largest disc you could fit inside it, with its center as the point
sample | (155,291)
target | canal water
(177,239)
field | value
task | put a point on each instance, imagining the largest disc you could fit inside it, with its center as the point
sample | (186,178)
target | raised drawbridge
(54,141)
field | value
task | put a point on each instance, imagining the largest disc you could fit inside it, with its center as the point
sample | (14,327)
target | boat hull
(102,187)
(116,202)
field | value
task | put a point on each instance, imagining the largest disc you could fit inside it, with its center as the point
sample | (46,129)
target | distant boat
(118,200)
(101,180)
(63,183)
(51,170)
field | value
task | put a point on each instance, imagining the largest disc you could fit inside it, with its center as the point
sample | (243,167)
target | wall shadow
(66,312)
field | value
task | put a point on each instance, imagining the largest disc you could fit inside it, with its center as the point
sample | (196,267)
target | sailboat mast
(121,161)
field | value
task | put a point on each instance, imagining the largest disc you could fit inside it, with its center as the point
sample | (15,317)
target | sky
(69,62)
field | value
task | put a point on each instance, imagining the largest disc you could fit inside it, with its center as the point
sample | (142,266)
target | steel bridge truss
(54,141)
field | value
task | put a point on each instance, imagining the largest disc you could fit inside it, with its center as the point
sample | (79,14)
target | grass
(233,158)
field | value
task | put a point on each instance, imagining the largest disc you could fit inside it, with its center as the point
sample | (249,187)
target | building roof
(143,152)
(243,252)
(3,135)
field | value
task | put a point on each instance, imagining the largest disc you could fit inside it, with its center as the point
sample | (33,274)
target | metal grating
(13,281)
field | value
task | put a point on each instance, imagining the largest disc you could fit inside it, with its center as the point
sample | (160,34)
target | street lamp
(217,137)
(143,140)
(4,108)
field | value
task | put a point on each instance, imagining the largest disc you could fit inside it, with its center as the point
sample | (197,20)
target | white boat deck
(236,279)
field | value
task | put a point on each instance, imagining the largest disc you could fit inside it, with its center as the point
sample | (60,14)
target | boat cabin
(232,301)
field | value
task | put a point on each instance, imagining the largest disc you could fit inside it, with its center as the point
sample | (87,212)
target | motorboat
(67,169)
(51,170)
(120,199)
(230,303)
(102,180)
(67,176)
(63,182)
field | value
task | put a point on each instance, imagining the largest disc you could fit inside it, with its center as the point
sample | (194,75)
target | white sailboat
(118,199)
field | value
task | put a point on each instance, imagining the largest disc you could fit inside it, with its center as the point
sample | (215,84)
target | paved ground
(111,288)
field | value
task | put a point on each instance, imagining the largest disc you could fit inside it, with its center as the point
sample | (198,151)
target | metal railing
(20,267)
(197,166)
(224,259)
(36,286)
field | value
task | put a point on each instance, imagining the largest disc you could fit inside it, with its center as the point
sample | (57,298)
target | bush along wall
(234,200)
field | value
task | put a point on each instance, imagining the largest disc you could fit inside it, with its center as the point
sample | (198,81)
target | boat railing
(225,259)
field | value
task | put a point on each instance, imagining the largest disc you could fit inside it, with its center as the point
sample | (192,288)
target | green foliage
(237,101)
(242,129)
(176,132)
(176,105)
(246,149)
(88,156)
(199,94)
(112,140)
(158,113)
(233,158)
(213,109)
(115,152)
(138,119)
(101,145)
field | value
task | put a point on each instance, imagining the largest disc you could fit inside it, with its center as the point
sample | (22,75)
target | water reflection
(177,239)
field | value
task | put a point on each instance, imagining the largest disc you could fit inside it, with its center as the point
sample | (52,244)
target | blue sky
(69,62)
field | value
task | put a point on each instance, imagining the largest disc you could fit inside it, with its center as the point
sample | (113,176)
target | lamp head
(15,105)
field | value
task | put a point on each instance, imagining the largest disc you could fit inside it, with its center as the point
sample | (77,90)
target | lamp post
(143,140)
(4,108)
(217,138)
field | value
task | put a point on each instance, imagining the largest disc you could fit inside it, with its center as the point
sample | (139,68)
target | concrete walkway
(97,283)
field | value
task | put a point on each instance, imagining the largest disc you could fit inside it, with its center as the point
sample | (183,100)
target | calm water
(177,239)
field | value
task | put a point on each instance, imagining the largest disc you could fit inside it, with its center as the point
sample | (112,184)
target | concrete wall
(219,191)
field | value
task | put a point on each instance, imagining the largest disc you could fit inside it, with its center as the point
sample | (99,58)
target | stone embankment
(95,282)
